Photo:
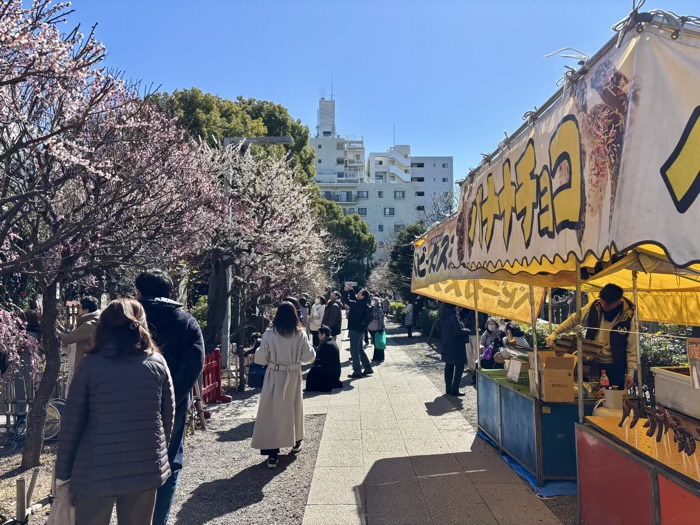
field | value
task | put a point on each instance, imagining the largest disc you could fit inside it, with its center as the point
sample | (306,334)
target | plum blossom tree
(93,177)
(269,236)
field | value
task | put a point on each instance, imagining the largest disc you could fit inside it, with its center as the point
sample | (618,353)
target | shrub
(396,311)
(426,319)
(200,312)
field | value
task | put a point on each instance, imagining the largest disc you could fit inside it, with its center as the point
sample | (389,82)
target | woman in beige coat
(283,349)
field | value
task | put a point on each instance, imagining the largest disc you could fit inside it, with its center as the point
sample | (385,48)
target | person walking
(358,320)
(280,420)
(32,317)
(179,338)
(408,319)
(386,305)
(333,315)
(453,339)
(324,376)
(117,421)
(84,334)
(376,326)
(316,318)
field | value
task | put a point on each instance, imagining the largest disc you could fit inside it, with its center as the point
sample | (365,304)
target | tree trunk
(36,419)
(241,319)
(216,301)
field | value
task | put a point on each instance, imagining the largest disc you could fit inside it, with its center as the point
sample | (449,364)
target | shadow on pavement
(224,496)
(444,405)
(240,433)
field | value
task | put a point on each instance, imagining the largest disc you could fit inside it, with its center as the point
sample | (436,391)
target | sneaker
(458,394)
(272,462)
(355,376)
(368,372)
(297,447)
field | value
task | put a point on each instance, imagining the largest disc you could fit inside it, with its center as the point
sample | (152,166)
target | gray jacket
(116,425)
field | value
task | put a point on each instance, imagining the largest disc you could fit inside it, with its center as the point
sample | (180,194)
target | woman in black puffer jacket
(113,445)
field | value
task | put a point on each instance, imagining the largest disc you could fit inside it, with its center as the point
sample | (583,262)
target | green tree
(352,242)
(213,119)
(401,258)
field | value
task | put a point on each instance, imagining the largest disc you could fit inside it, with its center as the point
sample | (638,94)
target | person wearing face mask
(491,338)
(608,320)
(316,318)
(376,325)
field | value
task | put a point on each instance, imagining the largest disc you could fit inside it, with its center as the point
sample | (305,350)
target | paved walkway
(395,451)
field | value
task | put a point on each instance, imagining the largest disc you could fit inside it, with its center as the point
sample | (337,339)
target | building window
(417,179)
(319,161)
(340,146)
(380,194)
(320,146)
(399,227)
(417,164)
(380,228)
(388,212)
(362,211)
(362,195)
(326,133)
(350,211)
(444,179)
(328,195)
(379,178)
(399,194)
(420,208)
(420,194)
(445,165)
(379,163)
(340,160)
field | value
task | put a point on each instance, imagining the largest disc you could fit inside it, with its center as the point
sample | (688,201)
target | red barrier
(211,393)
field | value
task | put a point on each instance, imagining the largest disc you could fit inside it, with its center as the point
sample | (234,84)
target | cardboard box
(558,379)
(541,357)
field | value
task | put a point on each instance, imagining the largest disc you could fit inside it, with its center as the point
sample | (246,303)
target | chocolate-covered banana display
(636,413)
(625,413)
(653,424)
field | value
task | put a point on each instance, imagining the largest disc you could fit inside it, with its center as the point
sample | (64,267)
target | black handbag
(256,375)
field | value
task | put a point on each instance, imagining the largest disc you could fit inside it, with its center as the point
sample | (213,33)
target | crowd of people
(124,447)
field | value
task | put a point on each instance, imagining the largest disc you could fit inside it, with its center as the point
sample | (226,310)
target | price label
(514,370)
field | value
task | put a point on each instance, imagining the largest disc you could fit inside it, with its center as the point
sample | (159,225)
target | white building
(391,193)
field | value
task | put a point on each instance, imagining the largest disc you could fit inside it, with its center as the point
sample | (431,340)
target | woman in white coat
(316,320)
(283,349)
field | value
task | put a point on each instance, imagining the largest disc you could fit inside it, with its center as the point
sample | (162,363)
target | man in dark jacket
(359,318)
(453,337)
(324,376)
(179,338)
(333,315)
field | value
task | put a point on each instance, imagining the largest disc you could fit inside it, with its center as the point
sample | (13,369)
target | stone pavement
(395,451)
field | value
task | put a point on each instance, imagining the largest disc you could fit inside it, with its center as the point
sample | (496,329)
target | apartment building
(389,192)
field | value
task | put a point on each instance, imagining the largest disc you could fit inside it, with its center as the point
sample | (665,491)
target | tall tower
(326,118)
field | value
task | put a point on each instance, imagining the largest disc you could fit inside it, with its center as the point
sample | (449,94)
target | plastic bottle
(604,380)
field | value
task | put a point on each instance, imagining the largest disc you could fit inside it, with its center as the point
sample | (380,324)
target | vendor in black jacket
(453,337)
(324,376)
(358,321)
(179,339)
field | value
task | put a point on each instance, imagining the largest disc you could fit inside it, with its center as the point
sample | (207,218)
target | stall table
(540,436)
(619,485)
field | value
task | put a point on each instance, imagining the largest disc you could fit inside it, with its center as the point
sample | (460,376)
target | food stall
(600,186)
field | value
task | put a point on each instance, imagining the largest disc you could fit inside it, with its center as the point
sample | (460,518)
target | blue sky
(451,75)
